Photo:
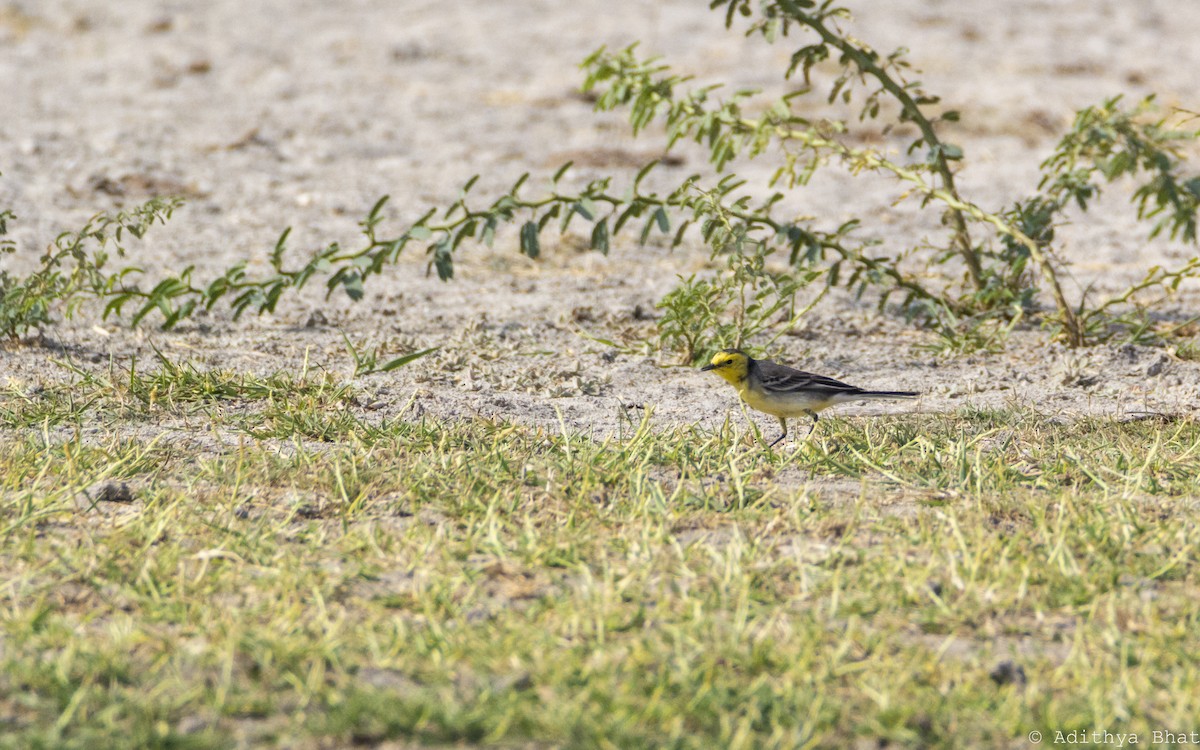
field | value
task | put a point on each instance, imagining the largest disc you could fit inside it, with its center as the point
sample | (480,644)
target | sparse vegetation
(198,555)
(1003,275)
(74,270)
(488,582)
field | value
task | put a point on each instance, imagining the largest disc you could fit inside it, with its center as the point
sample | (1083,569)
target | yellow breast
(782,404)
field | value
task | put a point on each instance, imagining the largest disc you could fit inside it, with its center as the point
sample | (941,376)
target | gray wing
(780,378)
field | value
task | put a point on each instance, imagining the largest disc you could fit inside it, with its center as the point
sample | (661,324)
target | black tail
(887,394)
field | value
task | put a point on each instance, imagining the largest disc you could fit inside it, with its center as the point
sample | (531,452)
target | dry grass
(290,570)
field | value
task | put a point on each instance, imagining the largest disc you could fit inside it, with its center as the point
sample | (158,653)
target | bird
(783,391)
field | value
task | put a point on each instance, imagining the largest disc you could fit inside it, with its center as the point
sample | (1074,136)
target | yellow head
(731,364)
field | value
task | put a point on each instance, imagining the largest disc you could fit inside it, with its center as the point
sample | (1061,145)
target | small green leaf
(561,171)
(643,172)
(678,240)
(373,216)
(353,285)
(634,210)
(948,151)
(600,236)
(529,239)
(549,216)
(664,223)
(407,358)
(771,30)
(443,261)
(646,231)
(114,305)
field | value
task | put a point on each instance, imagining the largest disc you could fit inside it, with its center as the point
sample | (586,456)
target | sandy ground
(301,113)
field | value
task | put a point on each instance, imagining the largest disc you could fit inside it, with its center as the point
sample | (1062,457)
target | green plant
(74,268)
(1007,257)
(366,358)
(971,333)
(1106,143)
(701,316)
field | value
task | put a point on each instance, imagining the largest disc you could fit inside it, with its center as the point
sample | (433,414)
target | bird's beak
(706,368)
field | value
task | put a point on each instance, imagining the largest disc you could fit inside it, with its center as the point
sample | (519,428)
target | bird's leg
(783,424)
(813,426)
